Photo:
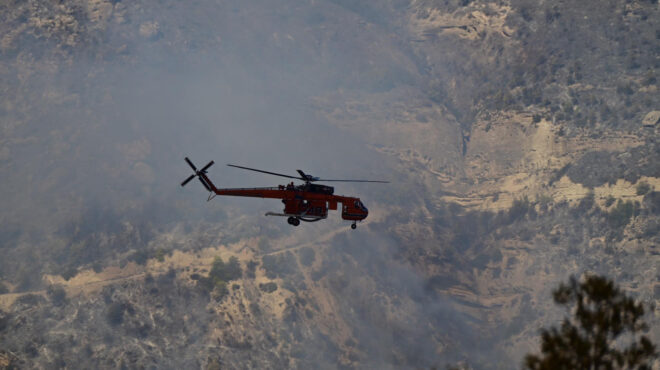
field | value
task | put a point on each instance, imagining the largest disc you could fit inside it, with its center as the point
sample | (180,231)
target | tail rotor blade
(205,184)
(207,166)
(188,180)
(191,164)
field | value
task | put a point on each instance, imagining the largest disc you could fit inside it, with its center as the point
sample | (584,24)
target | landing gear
(354,226)
(293,221)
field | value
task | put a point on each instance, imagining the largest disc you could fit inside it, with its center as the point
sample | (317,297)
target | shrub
(642,188)
(544,201)
(609,201)
(160,254)
(4,320)
(251,269)
(219,290)
(307,256)
(649,78)
(652,202)
(115,313)
(519,209)
(69,272)
(586,203)
(140,257)
(56,294)
(220,274)
(620,214)
(625,89)
(225,271)
(279,265)
(268,287)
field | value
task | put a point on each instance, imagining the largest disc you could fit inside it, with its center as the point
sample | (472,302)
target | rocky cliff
(518,137)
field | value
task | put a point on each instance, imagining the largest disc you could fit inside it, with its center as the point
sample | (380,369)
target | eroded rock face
(510,133)
(651,119)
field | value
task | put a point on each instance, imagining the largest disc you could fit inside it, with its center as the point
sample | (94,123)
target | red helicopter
(307,202)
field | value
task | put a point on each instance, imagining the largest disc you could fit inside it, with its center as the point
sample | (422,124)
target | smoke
(98,118)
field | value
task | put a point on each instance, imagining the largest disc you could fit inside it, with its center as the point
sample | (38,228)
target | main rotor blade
(188,179)
(326,180)
(267,172)
(207,166)
(191,164)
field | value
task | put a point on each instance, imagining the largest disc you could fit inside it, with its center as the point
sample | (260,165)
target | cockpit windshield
(360,206)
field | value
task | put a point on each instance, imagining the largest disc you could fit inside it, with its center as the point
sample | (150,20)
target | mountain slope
(511,131)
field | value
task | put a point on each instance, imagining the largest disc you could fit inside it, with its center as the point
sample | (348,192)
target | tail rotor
(200,174)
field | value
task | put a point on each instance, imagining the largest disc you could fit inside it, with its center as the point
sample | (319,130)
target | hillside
(519,137)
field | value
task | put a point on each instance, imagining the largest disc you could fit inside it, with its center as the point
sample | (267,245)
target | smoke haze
(102,100)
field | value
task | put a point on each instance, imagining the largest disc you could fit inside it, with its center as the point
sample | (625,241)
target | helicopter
(308,202)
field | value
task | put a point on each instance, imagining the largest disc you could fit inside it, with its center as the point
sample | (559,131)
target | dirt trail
(88,281)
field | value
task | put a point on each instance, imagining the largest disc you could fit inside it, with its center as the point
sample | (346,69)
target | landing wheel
(293,221)
(353,226)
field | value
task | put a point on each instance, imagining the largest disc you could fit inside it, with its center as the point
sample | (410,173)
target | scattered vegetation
(603,318)
(545,36)
(115,313)
(4,319)
(597,168)
(586,204)
(307,256)
(69,272)
(620,214)
(29,300)
(609,201)
(544,201)
(520,208)
(279,265)
(219,290)
(642,188)
(160,254)
(56,294)
(221,273)
(268,287)
(226,271)
(251,269)
(139,256)
(652,202)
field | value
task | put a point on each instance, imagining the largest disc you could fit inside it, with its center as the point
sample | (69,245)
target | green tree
(602,317)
